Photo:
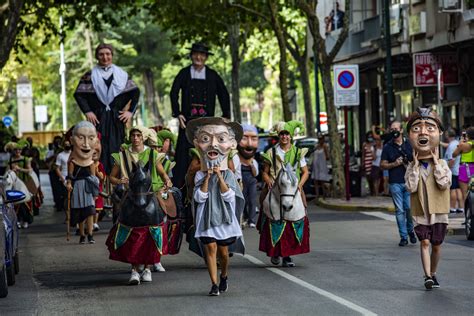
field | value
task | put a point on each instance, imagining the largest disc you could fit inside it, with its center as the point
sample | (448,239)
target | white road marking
(382,215)
(311,287)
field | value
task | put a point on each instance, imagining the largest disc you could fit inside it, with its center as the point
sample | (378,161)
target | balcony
(359,40)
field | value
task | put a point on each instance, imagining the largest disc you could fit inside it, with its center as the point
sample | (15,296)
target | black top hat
(201,48)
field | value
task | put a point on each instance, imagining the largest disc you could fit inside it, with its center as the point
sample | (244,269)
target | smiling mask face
(214,142)
(84,140)
(424,135)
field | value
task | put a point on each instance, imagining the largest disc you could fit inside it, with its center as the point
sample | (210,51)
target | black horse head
(140,181)
(141,207)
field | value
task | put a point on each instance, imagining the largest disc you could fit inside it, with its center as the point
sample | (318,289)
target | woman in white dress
(319,170)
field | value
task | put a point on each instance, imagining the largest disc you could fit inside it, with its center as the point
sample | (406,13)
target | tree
(152,50)
(226,27)
(268,13)
(325,60)
(18,17)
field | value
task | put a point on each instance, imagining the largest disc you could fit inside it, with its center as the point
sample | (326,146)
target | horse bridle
(281,195)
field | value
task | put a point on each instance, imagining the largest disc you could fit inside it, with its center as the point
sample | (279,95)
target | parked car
(10,235)
(307,142)
(3,266)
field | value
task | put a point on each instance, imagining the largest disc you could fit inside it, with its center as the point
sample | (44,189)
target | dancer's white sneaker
(134,278)
(146,275)
(158,267)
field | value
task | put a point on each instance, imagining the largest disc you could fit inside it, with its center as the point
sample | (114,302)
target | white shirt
(201,74)
(61,162)
(281,154)
(220,232)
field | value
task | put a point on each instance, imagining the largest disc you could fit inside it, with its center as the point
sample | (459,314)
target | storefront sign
(426,65)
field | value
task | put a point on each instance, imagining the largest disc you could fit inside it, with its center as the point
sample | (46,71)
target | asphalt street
(355,267)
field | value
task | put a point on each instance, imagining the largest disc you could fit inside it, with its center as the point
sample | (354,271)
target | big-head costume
(105,91)
(84,182)
(284,229)
(198,99)
(428,178)
(216,214)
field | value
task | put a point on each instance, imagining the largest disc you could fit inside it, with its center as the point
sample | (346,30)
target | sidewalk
(382,204)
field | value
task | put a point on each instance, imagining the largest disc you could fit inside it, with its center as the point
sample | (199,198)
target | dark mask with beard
(247,152)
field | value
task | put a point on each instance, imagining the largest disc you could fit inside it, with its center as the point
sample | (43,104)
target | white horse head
(12,182)
(284,200)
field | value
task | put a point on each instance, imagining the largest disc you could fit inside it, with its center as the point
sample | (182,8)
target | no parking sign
(346,85)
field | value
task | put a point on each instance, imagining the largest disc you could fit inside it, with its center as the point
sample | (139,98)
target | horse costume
(140,235)
(283,224)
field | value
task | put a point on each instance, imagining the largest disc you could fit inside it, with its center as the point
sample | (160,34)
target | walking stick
(68,215)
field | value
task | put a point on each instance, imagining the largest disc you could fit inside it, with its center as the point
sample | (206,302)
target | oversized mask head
(424,132)
(84,140)
(248,145)
(214,137)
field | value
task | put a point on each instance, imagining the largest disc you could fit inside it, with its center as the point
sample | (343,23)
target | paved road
(355,267)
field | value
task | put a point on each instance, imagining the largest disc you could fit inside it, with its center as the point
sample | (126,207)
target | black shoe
(275,260)
(82,240)
(412,237)
(429,283)
(223,286)
(459,210)
(90,239)
(287,262)
(435,282)
(403,242)
(214,290)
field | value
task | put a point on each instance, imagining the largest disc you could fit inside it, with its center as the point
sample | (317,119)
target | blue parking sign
(7,120)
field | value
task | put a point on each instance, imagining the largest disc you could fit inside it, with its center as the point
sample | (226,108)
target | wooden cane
(68,215)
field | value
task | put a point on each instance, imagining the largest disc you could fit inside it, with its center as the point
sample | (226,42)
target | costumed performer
(199,86)
(428,179)
(139,237)
(108,97)
(289,234)
(82,181)
(217,195)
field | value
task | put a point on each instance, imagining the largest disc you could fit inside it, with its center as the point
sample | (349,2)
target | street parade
(163,172)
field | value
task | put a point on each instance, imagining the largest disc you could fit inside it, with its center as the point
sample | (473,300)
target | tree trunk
(10,13)
(308,108)
(149,83)
(283,64)
(233,31)
(338,178)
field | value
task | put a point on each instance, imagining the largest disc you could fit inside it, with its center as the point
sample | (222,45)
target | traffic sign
(7,121)
(346,85)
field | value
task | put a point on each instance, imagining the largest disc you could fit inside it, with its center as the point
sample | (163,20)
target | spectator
(4,158)
(319,167)
(453,163)
(368,157)
(395,157)
(61,172)
(465,148)
(337,20)
(376,172)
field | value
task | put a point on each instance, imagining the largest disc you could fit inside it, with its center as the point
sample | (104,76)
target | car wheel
(469,218)
(16,260)
(11,274)
(3,282)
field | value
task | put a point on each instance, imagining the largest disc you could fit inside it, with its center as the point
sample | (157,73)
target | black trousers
(182,159)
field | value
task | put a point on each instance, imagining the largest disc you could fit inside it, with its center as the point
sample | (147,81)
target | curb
(353,208)
(357,208)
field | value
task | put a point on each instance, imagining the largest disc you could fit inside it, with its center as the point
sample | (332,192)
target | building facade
(426,35)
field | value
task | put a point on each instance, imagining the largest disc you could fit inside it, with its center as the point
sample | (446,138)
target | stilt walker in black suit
(199,86)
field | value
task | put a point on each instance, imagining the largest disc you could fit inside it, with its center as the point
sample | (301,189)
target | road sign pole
(346,149)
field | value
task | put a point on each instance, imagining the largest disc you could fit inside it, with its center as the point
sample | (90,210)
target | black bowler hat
(201,48)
